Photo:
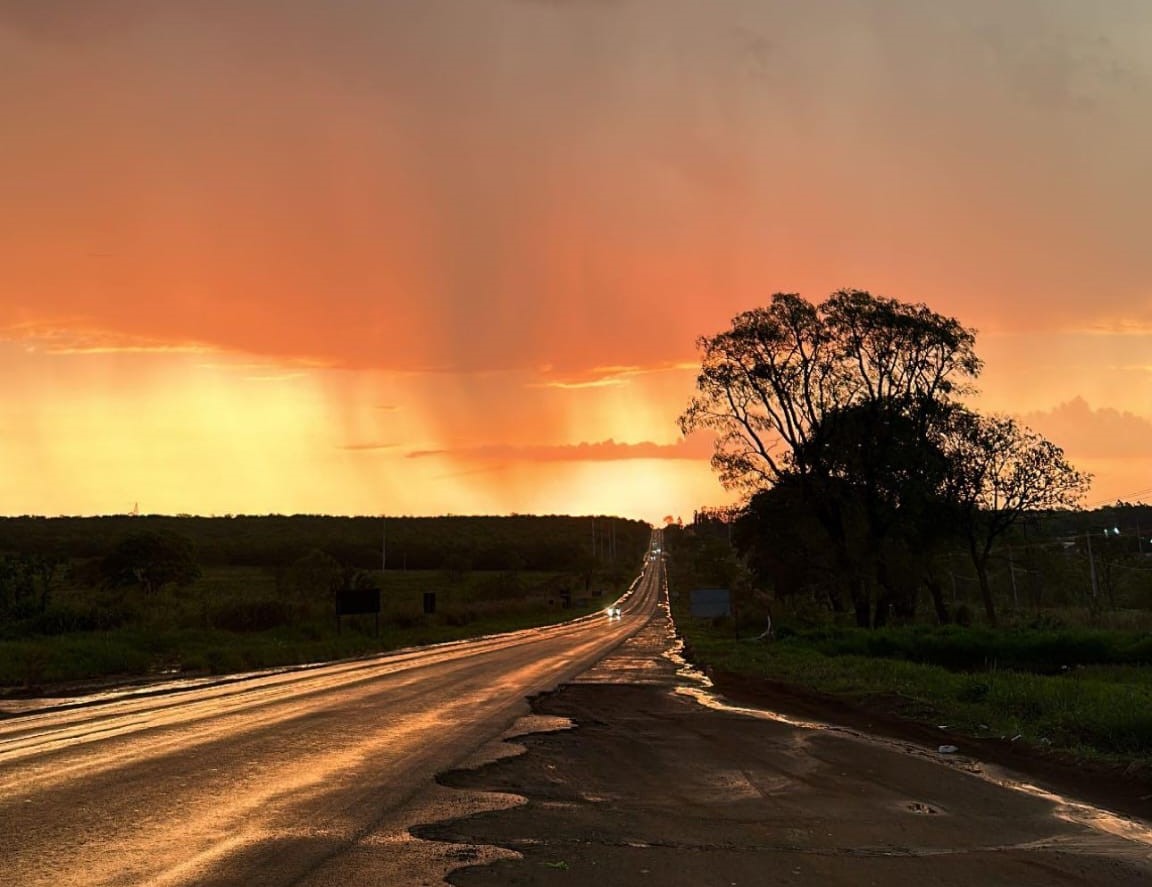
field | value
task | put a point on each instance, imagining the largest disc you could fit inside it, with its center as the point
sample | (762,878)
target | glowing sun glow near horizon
(452,256)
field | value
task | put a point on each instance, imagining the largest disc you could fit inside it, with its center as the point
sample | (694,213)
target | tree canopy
(999,471)
(849,412)
(151,560)
(783,373)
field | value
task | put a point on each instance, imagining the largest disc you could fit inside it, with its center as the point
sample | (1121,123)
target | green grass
(1048,651)
(234,619)
(1098,709)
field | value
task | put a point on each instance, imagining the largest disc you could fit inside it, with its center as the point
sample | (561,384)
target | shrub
(975,649)
(253,615)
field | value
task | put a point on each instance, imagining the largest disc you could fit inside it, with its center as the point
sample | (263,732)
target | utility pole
(1012,573)
(1092,567)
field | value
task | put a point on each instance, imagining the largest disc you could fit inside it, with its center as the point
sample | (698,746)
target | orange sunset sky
(431,256)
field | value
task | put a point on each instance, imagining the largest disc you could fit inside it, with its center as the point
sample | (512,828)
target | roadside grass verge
(1043,651)
(1097,711)
(233,620)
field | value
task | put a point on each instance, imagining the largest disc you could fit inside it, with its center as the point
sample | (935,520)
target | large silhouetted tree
(848,412)
(841,398)
(865,525)
(881,486)
(785,543)
(781,373)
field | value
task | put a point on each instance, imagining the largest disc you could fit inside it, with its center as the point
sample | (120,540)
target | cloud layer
(602,451)
(492,186)
(1102,433)
(233,230)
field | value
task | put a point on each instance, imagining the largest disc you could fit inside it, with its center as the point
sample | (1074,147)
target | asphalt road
(662,783)
(393,772)
(308,778)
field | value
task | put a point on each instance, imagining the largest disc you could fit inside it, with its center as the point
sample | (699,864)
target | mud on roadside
(1120,788)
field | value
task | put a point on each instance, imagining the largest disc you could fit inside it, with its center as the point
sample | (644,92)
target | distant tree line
(844,425)
(416,543)
(310,554)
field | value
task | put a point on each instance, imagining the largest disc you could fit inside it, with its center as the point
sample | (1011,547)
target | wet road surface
(309,777)
(323,776)
(661,783)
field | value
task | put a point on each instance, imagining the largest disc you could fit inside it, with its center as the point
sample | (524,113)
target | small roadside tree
(17,586)
(150,560)
(311,582)
(1002,471)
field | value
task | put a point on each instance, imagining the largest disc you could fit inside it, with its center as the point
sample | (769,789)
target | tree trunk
(893,600)
(905,606)
(862,603)
(980,562)
(985,590)
(47,573)
(936,592)
(883,608)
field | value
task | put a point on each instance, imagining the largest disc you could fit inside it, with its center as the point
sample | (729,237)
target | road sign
(707,603)
(354,601)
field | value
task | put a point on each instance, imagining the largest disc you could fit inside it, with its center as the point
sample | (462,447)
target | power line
(1126,497)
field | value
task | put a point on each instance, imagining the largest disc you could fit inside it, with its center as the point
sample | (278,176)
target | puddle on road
(506,746)
(429,844)
(537,724)
(398,856)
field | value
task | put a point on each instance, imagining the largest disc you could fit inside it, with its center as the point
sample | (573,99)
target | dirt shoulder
(1122,789)
(654,787)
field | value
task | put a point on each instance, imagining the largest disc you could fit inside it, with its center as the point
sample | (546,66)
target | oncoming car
(613,612)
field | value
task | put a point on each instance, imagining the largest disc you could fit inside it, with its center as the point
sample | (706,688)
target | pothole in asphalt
(507,747)
(453,804)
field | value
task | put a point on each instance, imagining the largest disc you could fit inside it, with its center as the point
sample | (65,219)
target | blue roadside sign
(707,603)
